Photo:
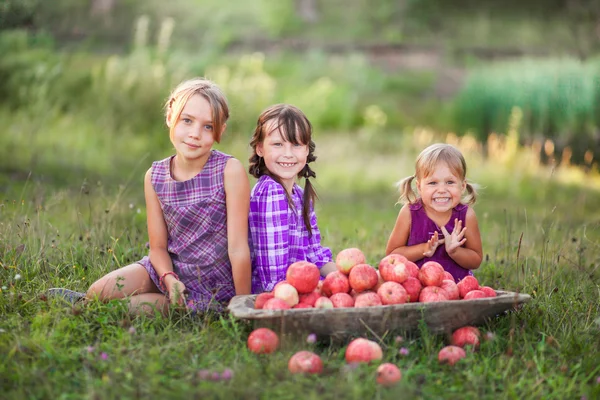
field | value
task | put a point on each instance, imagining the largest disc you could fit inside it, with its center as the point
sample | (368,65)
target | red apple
(393,268)
(363,351)
(263,341)
(388,374)
(393,293)
(261,299)
(448,275)
(367,299)
(303,305)
(467,284)
(342,300)
(413,269)
(303,275)
(309,298)
(305,362)
(451,355)
(348,258)
(489,292)
(430,294)
(451,289)
(466,336)
(475,294)
(276,304)
(431,274)
(335,282)
(379,281)
(362,277)
(323,302)
(413,288)
(287,293)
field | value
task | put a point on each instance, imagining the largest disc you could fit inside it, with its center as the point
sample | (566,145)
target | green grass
(540,236)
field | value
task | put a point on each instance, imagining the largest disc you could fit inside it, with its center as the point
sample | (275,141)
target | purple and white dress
(196,217)
(422,228)
(278,236)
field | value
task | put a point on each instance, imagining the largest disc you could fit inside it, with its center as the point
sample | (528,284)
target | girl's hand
(455,239)
(177,292)
(433,244)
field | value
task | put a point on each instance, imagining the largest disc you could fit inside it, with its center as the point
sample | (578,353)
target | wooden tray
(341,323)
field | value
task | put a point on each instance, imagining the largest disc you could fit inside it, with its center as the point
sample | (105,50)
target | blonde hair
(425,165)
(207,89)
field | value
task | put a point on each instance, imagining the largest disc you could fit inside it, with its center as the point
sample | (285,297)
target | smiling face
(282,158)
(193,134)
(441,190)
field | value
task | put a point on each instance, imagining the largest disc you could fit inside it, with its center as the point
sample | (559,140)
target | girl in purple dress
(282,220)
(197,205)
(436,223)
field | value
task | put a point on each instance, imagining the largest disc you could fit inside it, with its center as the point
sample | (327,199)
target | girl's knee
(104,288)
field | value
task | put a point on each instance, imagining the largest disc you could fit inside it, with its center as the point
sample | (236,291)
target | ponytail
(407,194)
(471,197)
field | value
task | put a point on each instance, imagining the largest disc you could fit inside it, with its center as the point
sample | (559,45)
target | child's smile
(441,191)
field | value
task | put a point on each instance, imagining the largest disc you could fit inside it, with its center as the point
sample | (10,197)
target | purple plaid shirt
(278,235)
(195,213)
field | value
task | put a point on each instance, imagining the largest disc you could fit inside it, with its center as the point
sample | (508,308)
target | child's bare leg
(147,303)
(130,280)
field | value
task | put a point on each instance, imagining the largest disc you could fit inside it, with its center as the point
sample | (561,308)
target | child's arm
(157,235)
(269,229)
(464,245)
(399,238)
(237,197)
(317,254)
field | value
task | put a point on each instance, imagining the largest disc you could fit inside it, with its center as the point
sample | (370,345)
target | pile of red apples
(357,284)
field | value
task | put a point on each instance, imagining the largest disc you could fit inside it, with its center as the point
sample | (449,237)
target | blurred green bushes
(559,99)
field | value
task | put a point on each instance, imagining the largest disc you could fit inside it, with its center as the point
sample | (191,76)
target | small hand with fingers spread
(455,239)
(432,244)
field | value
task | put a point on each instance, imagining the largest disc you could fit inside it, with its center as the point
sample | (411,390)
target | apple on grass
(451,355)
(388,374)
(466,336)
(263,341)
(348,258)
(305,362)
(362,350)
(303,275)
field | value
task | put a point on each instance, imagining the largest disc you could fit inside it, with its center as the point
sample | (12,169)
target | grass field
(67,227)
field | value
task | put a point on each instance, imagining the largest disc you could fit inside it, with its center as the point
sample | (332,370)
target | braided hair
(297,129)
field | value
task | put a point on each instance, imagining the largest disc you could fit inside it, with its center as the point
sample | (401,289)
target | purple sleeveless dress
(196,217)
(421,230)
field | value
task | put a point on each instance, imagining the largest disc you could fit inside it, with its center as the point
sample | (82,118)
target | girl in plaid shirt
(282,220)
(197,204)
